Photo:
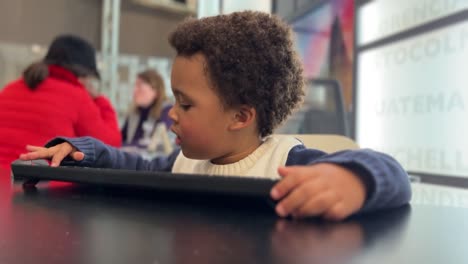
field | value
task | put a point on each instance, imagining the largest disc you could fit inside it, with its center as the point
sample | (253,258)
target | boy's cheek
(194,134)
(195,145)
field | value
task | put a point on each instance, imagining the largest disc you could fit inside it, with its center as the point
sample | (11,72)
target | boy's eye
(185,106)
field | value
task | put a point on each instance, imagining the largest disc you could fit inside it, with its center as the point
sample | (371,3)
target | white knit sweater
(263,162)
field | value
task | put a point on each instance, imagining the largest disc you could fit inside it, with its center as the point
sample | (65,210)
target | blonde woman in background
(148,119)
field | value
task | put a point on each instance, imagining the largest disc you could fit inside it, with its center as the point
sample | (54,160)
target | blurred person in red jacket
(55,97)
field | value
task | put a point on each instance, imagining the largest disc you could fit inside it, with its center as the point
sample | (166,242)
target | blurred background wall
(143,30)
(323,31)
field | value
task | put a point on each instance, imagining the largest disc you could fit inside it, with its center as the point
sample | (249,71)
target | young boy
(235,78)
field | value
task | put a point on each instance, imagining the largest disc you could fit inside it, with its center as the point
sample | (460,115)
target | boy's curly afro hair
(251,61)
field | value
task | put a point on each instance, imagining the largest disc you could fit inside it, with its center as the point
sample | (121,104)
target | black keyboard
(31,173)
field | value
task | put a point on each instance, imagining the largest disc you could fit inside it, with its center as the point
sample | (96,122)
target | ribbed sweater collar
(243,165)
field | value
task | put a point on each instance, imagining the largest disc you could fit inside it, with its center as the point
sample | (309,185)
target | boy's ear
(244,116)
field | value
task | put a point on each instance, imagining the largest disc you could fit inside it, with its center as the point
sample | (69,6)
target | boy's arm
(387,184)
(99,155)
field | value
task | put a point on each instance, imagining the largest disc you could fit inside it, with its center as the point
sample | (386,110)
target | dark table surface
(64,223)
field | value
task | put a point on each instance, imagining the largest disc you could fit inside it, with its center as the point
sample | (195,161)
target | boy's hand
(323,189)
(57,153)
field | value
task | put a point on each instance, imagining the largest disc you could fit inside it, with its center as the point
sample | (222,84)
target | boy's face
(200,121)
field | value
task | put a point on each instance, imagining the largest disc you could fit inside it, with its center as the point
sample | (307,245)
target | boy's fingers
(77,155)
(296,198)
(37,154)
(283,171)
(26,156)
(284,186)
(317,205)
(33,148)
(58,153)
(337,212)
(56,159)
(296,170)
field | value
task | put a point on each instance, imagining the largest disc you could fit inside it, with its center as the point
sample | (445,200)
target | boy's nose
(172,115)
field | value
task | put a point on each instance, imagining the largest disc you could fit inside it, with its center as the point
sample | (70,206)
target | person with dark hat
(55,97)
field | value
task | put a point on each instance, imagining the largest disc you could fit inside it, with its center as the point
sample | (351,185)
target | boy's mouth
(177,140)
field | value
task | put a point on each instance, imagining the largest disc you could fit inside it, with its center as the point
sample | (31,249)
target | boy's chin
(193,155)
